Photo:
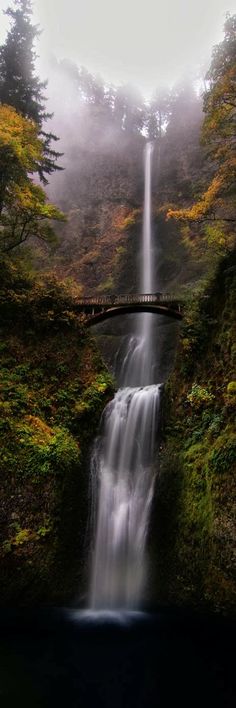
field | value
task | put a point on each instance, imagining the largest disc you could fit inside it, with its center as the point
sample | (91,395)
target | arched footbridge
(98,309)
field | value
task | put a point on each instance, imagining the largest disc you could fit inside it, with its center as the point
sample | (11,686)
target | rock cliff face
(101,192)
(193,521)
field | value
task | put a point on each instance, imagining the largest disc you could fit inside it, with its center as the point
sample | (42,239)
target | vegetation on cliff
(196,498)
(217,202)
(53,389)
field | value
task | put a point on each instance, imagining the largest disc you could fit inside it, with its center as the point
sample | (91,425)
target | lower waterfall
(123,462)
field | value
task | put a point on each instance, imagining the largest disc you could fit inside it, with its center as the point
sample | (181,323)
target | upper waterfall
(138,367)
(147,262)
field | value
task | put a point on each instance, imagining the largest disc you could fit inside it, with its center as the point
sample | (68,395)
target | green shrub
(231,388)
(223,458)
(199,396)
(93,394)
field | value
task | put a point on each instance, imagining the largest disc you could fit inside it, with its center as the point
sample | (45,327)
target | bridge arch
(159,309)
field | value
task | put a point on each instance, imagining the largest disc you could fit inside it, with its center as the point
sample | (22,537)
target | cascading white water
(122,463)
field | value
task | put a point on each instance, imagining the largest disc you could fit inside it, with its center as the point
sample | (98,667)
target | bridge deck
(130,299)
(99,308)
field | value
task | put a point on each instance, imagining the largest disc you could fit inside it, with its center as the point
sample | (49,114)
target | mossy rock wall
(193,530)
(54,386)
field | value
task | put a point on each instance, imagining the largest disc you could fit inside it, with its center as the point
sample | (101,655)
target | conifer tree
(19,86)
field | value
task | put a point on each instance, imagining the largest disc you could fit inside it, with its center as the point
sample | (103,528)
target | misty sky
(146,43)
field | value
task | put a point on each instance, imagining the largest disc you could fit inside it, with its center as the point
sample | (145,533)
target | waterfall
(122,463)
(146,268)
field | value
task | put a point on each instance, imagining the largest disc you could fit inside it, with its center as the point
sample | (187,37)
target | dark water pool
(72,659)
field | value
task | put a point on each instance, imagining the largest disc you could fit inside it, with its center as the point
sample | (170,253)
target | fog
(142,43)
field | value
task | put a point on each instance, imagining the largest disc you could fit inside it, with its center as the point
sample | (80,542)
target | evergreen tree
(19,86)
(158,114)
(129,110)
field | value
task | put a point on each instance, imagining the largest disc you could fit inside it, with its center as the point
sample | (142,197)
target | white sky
(146,43)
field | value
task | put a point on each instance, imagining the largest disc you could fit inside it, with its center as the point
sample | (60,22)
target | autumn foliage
(24,210)
(218,136)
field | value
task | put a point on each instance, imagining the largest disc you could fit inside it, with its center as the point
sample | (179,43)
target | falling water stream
(122,462)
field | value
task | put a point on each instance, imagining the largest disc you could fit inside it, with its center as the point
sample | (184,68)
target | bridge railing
(126,299)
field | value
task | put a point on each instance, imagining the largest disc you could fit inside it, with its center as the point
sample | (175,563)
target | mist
(128,42)
(145,44)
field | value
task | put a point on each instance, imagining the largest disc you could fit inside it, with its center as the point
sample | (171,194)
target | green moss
(222,455)
(102,385)
(231,388)
(107,285)
(35,453)
(45,370)
(230,396)
(198,459)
